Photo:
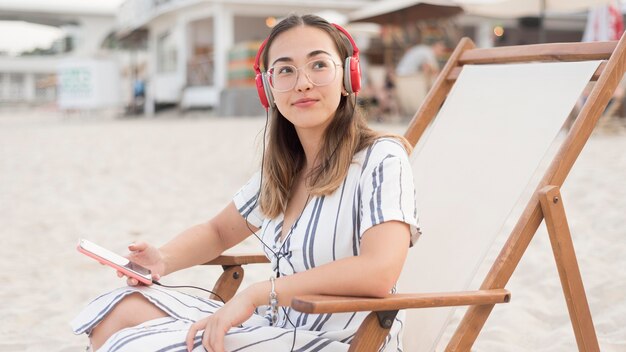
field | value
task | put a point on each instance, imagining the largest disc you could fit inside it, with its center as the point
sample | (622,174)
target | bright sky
(18,36)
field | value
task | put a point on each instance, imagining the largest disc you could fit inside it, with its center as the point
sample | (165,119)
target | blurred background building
(200,53)
(140,56)
(30,75)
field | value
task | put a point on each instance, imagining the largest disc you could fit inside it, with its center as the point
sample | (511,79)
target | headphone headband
(257,58)
(355,49)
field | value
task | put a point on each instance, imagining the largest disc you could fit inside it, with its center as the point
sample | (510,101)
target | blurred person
(139,95)
(389,102)
(415,73)
(379,96)
(327,219)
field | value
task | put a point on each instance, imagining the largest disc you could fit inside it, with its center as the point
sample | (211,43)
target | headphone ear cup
(269,98)
(355,74)
(352,75)
(347,76)
(260,89)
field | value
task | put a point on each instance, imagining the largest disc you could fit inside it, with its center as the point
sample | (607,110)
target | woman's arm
(204,242)
(372,273)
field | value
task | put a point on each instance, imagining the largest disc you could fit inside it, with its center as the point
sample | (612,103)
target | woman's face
(306,105)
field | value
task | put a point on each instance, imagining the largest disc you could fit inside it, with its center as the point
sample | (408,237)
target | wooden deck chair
(457,186)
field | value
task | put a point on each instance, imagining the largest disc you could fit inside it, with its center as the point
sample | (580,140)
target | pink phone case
(116,266)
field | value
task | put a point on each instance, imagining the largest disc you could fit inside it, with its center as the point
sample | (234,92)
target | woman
(333,205)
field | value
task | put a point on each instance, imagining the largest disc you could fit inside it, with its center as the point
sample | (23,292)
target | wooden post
(371,333)
(571,281)
(228,283)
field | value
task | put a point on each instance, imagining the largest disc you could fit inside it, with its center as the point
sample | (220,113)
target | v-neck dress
(378,188)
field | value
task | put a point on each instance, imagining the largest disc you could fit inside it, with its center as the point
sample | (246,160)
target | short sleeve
(388,193)
(246,201)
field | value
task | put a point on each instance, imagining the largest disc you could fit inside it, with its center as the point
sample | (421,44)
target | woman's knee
(132,310)
(135,309)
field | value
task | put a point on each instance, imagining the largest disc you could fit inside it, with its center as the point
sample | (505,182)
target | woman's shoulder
(382,148)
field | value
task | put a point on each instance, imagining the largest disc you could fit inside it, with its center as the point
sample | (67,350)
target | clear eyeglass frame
(292,80)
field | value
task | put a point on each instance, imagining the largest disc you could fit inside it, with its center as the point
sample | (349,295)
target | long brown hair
(346,134)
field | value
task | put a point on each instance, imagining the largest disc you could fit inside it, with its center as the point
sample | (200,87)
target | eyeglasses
(319,72)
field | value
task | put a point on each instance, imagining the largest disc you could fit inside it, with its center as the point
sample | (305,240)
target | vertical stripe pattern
(378,188)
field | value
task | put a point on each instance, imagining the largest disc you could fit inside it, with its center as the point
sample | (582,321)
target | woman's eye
(284,70)
(318,65)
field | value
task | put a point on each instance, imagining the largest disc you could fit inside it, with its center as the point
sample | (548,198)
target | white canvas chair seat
(478,157)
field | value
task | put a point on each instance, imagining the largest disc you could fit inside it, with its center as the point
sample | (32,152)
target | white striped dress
(378,188)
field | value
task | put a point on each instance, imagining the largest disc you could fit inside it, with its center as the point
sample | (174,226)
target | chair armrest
(317,304)
(230,280)
(239,259)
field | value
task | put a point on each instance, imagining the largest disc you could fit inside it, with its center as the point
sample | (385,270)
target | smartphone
(116,261)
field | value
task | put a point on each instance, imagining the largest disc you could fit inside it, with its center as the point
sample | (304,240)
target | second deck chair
(497,117)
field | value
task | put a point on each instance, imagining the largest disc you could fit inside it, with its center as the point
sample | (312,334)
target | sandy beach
(115,180)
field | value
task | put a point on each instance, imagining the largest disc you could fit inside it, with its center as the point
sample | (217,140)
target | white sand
(115,181)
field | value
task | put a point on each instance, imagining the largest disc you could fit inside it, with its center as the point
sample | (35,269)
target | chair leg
(571,281)
(567,265)
(468,330)
(373,331)
(228,283)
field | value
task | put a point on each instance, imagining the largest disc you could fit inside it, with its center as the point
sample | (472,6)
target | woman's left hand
(233,313)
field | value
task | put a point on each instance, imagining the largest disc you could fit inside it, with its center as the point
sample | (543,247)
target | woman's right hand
(147,256)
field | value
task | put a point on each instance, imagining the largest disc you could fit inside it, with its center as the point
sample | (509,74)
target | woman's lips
(304,102)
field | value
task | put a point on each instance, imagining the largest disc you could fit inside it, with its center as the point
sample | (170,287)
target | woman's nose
(303,82)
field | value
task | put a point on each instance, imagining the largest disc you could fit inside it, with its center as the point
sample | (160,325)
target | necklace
(279,253)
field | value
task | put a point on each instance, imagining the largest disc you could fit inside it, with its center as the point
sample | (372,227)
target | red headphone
(351,72)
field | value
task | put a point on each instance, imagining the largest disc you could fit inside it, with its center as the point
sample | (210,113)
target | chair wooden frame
(546,203)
